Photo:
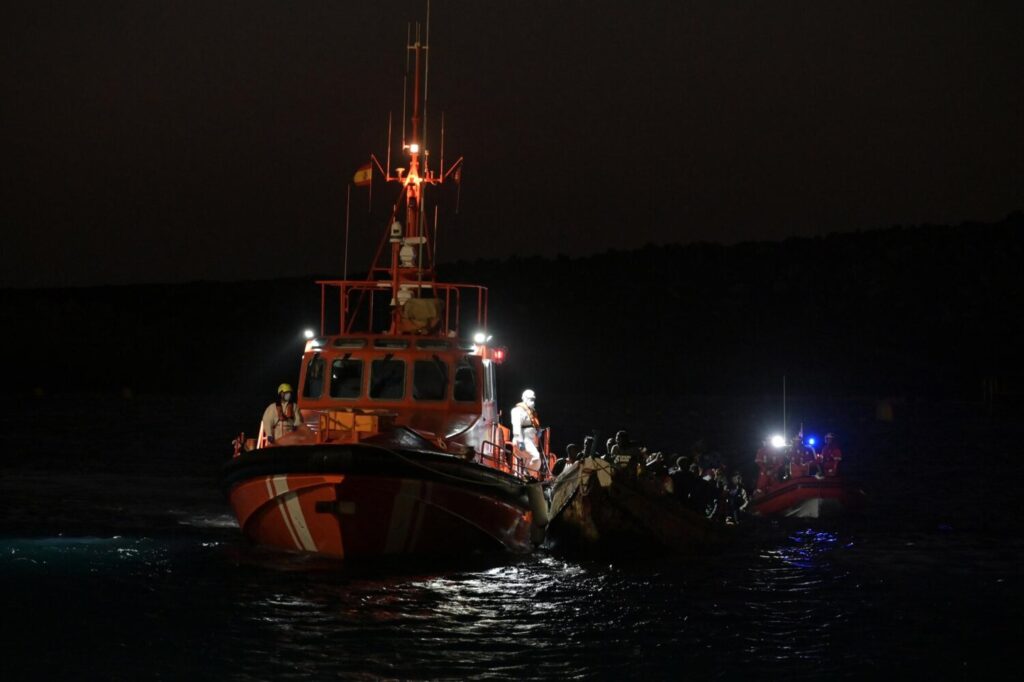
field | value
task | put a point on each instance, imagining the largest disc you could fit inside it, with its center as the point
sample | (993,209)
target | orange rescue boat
(401,451)
(796,481)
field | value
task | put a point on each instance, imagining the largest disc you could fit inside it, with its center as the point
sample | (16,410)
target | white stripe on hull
(401,515)
(422,510)
(815,508)
(808,509)
(291,512)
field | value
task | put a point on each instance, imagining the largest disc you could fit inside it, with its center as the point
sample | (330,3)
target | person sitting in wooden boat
(708,497)
(655,472)
(738,499)
(282,416)
(526,431)
(572,452)
(683,479)
(710,465)
(696,493)
(831,455)
(626,454)
(674,472)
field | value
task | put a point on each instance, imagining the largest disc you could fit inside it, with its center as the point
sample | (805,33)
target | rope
(413,462)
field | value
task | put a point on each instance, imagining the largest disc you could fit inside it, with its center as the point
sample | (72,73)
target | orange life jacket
(286,416)
(531,414)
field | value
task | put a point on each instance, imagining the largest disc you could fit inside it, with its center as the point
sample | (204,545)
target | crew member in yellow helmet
(283,415)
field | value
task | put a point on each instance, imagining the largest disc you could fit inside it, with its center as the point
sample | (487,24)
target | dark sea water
(120,559)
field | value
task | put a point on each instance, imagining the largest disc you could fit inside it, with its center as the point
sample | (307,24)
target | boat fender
(538,504)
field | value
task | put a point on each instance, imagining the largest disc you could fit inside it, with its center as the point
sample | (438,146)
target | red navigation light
(498,355)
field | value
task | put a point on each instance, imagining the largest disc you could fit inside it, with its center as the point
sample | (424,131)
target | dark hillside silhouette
(926,309)
(932,310)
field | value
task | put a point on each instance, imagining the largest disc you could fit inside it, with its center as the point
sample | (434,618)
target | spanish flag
(363,176)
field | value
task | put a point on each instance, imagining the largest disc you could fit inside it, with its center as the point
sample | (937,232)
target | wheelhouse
(417,370)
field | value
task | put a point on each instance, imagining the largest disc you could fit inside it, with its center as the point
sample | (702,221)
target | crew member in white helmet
(526,429)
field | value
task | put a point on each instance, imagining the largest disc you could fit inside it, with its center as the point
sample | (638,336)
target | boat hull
(808,497)
(597,509)
(359,501)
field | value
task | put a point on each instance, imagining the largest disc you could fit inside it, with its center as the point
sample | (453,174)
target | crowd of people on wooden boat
(700,480)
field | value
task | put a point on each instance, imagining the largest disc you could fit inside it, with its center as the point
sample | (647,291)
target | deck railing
(359,305)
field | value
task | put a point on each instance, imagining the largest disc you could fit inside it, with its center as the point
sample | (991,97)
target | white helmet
(529,397)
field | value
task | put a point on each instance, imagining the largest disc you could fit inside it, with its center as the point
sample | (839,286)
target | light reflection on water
(159,575)
(800,603)
(548,616)
(151,579)
(71,554)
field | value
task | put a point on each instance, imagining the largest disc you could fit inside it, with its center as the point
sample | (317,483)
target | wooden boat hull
(808,497)
(595,508)
(362,501)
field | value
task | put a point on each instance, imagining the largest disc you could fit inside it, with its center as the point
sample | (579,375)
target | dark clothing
(737,496)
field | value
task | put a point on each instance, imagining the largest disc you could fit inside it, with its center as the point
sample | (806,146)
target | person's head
(737,479)
(572,451)
(284,393)
(829,437)
(529,397)
(621,437)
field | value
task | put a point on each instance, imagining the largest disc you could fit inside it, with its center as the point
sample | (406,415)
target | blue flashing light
(812,440)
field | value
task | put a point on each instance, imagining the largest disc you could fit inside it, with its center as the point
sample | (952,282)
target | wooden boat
(401,452)
(600,507)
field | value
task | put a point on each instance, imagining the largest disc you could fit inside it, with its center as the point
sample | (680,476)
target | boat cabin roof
(350,342)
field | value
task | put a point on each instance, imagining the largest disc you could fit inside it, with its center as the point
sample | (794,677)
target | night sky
(175,141)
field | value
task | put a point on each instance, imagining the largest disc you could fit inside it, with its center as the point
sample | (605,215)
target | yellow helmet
(284,388)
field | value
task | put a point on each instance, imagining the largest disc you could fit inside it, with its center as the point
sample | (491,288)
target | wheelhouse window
(465,383)
(430,379)
(488,380)
(387,379)
(346,378)
(314,385)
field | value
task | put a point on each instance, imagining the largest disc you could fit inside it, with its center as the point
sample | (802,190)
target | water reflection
(798,603)
(74,555)
(809,549)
